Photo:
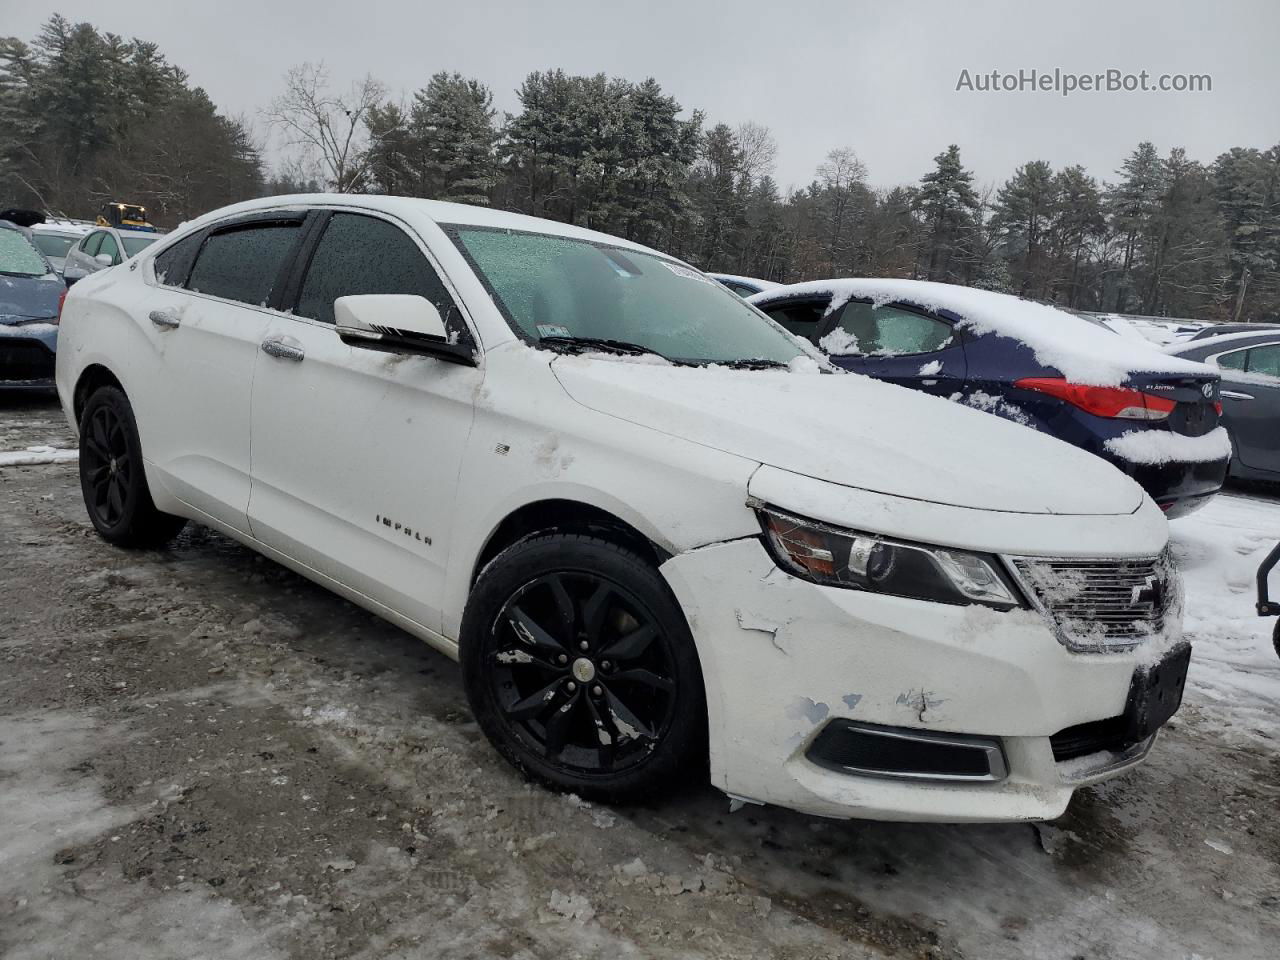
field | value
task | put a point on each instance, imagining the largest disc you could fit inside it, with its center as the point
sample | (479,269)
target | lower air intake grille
(1103,604)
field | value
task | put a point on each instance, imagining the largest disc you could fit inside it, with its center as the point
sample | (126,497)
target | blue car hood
(27,298)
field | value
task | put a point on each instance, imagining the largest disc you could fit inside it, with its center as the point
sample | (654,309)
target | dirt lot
(203,755)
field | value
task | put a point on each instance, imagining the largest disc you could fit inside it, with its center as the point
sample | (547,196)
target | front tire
(112,477)
(581,670)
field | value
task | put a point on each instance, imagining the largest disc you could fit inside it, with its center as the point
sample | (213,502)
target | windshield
(134,245)
(18,258)
(54,244)
(561,289)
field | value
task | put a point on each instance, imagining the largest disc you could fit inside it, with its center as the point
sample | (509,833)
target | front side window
(109,246)
(802,319)
(359,254)
(53,244)
(887,331)
(561,289)
(243,263)
(173,264)
(134,244)
(1265,360)
(89,245)
(18,258)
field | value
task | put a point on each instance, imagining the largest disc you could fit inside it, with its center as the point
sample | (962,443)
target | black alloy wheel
(582,670)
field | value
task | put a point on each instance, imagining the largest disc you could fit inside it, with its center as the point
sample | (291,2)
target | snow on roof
(750,281)
(1082,351)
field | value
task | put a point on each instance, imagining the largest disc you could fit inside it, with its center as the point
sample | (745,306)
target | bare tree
(758,152)
(330,130)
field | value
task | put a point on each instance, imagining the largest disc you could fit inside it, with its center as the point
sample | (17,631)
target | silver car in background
(104,247)
(55,240)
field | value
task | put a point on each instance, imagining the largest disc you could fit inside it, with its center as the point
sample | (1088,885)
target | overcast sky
(879,77)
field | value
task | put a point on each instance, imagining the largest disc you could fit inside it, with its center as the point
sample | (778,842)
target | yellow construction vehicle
(124,216)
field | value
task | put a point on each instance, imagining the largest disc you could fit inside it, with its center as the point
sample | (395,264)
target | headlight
(864,561)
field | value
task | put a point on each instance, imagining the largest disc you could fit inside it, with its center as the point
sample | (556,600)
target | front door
(356,452)
(1251,404)
(896,344)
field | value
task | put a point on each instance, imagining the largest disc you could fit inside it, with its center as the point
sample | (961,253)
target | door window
(887,331)
(802,319)
(243,263)
(359,254)
(89,245)
(1265,360)
(1234,360)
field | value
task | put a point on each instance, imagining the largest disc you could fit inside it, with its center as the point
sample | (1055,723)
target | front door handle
(283,348)
(1236,395)
(164,320)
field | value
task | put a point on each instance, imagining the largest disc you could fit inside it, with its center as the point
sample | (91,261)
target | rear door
(1251,404)
(898,344)
(356,452)
(206,316)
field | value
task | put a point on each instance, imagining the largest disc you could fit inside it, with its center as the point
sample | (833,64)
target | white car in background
(615,492)
(55,239)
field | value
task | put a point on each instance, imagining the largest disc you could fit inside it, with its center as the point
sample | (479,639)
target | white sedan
(661,534)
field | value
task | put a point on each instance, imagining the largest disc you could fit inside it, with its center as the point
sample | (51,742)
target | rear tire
(112,478)
(581,670)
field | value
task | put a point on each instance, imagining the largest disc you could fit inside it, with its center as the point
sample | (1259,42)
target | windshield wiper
(750,363)
(603,343)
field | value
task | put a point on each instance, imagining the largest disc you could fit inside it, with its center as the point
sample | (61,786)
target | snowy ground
(202,755)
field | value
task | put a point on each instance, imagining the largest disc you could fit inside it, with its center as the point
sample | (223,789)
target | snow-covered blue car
(1154,416)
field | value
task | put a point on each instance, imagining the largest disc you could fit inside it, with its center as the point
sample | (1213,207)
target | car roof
(416,208)
(1225,341)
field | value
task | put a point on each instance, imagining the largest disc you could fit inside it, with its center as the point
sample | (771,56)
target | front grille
(1103,604)
(25,360)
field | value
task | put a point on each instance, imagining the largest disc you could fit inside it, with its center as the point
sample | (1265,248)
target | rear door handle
(283,348)
(1236,395)
(164,320)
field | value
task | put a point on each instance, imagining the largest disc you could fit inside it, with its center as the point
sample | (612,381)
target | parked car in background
(1249,362)
(743,286)
(633,509)
(104,247)
(1218,329)
(1153,416)
(55,240)
(30,294)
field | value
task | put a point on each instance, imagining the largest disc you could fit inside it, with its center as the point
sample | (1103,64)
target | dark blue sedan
(1154,416)
(30,296)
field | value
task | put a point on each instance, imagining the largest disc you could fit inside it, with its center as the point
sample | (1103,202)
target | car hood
(27,298)
(858,432)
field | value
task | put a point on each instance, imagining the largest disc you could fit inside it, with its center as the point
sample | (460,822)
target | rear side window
(243,264)
(359,254)
(108,245)
(885,331)
(1234,360)
(174,264)
(1265,360)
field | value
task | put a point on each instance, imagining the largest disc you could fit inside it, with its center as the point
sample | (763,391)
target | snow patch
(1163,446)
(36,455)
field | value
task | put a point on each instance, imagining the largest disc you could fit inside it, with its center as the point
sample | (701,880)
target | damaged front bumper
(788,661)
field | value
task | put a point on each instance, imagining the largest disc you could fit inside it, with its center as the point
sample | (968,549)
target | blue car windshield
(18,258)
(555,290)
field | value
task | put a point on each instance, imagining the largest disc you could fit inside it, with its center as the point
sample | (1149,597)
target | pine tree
(451,125)
(1132,203)
(948,203)
(1022,215)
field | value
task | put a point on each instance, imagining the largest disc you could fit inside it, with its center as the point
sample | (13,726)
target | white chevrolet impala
(661,535)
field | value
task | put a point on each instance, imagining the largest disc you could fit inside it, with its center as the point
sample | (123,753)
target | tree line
(86,116)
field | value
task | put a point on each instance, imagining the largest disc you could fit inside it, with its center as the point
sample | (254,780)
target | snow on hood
(858,432)
(1081,351)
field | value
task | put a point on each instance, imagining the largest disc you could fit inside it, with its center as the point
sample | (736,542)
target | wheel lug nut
(605,665)
(596,691)
(571,686)
(563,658)
(583,645)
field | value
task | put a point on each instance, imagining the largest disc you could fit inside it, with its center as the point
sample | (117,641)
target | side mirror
(105,259)
(396,323)
(71,277)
